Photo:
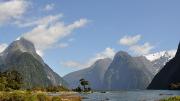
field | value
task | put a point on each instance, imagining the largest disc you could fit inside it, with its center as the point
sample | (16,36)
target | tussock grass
(35,96)
(176,98)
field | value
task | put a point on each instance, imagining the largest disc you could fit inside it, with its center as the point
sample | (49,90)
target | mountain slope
(94,74)
(168,75)
(155,56)
(22,57)
(126,72)
(159,59)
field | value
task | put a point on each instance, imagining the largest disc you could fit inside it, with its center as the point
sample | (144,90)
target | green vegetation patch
(10,80)
(26,96)
(176,98)
(20,95)
(85,84)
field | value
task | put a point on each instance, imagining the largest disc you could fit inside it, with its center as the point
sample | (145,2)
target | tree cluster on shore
(12,89)
(10,80)
(20,95)
(49,89)
(83,87)
(174,98)
(175,86)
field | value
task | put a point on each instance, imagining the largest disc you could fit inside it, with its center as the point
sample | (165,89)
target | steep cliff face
(159,59)
(168,75)
(94,74)
(22,57)
(126,72)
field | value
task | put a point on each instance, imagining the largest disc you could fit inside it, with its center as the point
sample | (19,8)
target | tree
(78,89)
(84,83)
(175,86)
(14,80)
(10,80)
(3,82)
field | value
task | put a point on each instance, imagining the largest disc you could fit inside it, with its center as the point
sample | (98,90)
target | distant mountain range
(21,56)
(123,72)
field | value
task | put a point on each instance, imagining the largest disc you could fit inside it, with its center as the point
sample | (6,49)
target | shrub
(41,97)
(176,98)
(14,96)
(56,98)
(78,89)
(10,80)
(29,96)
(2,87)
(56,89)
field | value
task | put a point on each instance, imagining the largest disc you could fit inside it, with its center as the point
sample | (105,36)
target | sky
(72,35)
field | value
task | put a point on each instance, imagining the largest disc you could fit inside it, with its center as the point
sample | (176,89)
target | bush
(78,89)
(30,96)
(56,98)
(56,89)
(10,80)
(15,96)
(176,98)
(2,87)
(41,97)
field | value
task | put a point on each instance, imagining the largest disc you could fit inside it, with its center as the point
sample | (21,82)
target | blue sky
(73,34)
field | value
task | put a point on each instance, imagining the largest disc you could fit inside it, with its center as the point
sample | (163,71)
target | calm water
(136,95)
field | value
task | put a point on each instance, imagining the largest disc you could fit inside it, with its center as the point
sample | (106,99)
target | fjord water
(133,95)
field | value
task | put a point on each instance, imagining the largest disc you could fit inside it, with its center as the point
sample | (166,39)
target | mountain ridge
(126,72)
(21,56)
(157,55)
(168,75)
(94,74)
(142,62)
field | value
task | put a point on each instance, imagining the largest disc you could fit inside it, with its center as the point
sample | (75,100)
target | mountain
(168,75)
(155,56)
(159,59)
(94,74)
(21,56)
(127,72)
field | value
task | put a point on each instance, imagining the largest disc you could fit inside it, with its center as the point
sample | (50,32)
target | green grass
(176,98)
(23,96)
(20,95)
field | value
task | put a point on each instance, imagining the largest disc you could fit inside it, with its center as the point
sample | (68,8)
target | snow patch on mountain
(168,54)
(159,59)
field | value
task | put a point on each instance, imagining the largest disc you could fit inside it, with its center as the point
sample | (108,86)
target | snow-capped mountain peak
(168,54)
(159,59)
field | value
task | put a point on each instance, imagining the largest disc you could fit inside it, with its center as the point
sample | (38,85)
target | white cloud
(107,53)
(72,64)
(42,21)
(12,10)
(132,43)
(141,49)
(63,45)
(129,40)
(3,47)
(49,7)
(49,30)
